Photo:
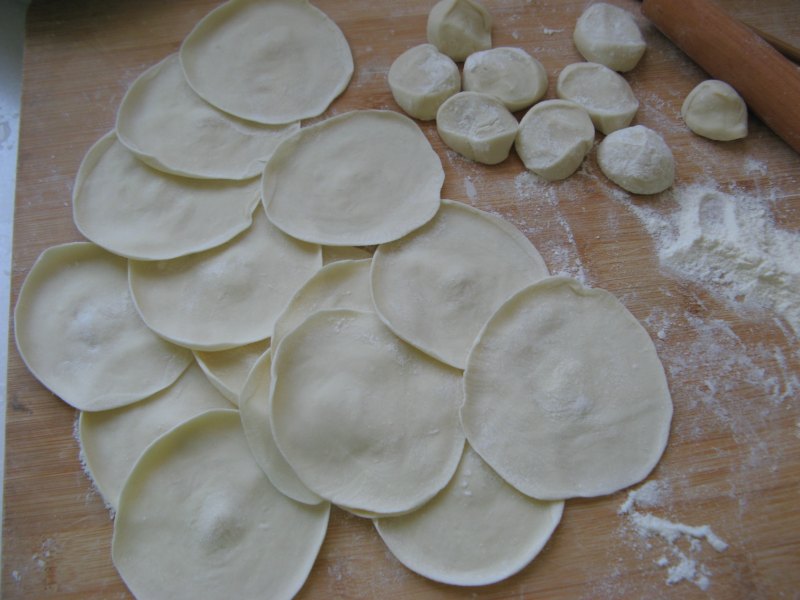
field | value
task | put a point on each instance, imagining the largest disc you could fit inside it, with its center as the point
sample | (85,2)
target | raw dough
(112,440)
(269,61)
(637,159)
(361,178)
(168,126)
(336,253)
(364,419)
(78,331)
(476,531)
(554,137)
(609,35)
(459,27)
(421,78)
(715,110)
(138,212)
(564,393)
(228,370)
(226,297)
(477,126)
(509,74)
(254,412)
(438,286)
(197,518)
(604,94)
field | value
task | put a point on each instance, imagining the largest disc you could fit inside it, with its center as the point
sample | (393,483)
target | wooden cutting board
(733,460)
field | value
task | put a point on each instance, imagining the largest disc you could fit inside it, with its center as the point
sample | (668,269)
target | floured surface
(732,461)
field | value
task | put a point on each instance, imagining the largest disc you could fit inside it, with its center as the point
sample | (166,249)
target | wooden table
(733,461)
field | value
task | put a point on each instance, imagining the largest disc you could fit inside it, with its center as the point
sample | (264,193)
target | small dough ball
(477,126)
(554,137)
(637,159)
(460,27)
(609,35)
(509,74)
(421,78)
(715,110)
(604,94)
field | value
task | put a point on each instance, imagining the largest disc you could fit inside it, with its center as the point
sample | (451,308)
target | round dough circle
(477,531)
(438,286)
(421,78)
(228,296)
(358,179)
(79,333)
(637,159)
(609,35)
(269,61)
(168,126)
(477,126)
(715,110)
(509,74)
(136,211)
(228,370)
(564,393)
(197,518)
(364,419)
(604,94)
(554,137)
(459,27)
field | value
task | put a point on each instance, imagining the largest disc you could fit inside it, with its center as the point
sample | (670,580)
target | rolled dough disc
(228,370)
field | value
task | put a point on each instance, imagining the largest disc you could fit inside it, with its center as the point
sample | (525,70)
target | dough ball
(421,78)
(609,35)
(564,394)
(604,94)
(554,137)
(509,74)
(637,159)
(477,126)
(715,110)
(460,27)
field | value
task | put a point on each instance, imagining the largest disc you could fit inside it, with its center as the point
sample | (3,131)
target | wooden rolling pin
(730,51)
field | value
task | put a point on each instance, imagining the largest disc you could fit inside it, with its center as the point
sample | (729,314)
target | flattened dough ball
(554,137)
(609,35)
(477,126)
(364,419)
(362,178)
(79,333)
(715,110)
(564,393)
(167,125)
(459,28)
(421,78)
(197,518)
(269,61)
(438,286)
(509,74)
(141,213)
(604,94)
(637,159)
(477,531)
(228,296)
(228,370)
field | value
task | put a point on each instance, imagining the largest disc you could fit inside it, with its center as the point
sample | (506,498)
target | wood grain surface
(733,460)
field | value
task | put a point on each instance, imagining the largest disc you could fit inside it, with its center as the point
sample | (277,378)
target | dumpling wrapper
(197,518)
(79,333)
(138,212)
(477,531)
(167,125)
(112,440)
(228,296)
(336,253)
(254,412)
(228,370)
(438,286)
(357,179)
(269,61)
(364,419)
(564,393)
